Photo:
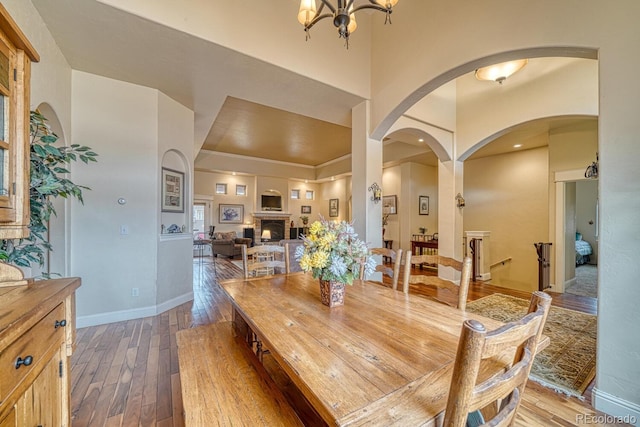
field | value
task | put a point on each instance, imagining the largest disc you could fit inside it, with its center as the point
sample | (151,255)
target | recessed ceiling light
(233,173)
(333,178)
(517,146)
(421,140)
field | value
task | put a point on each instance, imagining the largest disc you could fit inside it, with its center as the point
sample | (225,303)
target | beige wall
(507,195)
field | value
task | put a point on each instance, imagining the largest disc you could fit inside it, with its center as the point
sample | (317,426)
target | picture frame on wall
(390,204)
(423,205)
(172,191)
(333,208)
(305,209)
(231,214)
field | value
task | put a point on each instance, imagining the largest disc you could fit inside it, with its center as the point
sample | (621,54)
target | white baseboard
(570,282)
(134,313)
(484,276)
(619,409)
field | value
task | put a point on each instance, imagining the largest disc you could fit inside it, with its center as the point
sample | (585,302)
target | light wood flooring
(126,373)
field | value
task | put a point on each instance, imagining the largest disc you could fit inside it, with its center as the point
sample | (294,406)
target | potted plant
(48,165)
(333,253)
(305,220)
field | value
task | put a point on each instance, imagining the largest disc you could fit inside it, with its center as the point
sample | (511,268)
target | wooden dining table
(383,358)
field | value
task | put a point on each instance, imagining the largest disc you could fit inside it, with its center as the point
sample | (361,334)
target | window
(221,188)
(241,190)
(309,195)
(5,96)
(295,194)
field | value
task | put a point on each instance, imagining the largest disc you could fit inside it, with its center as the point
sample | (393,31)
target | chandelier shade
(343,14)
(500,72)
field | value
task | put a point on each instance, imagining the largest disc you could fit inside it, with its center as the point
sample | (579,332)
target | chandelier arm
(349,4)
(371,6)
(316,19)
(328,4)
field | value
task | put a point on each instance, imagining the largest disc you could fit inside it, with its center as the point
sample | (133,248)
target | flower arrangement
(332,251)
(385,219)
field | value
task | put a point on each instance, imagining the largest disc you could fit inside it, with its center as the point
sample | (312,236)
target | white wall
(119,121)
(175,150)
(134,130)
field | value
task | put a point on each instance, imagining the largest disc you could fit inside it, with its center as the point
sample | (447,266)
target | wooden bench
(223,384)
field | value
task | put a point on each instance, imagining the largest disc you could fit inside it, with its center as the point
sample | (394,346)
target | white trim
(570,282)
(257,159)
(570,175)
(612,405)
(336,160)
(134,313)
(484,276)
(175,236)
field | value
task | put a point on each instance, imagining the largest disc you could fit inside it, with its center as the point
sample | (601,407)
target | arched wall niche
(57,260)
(175,160)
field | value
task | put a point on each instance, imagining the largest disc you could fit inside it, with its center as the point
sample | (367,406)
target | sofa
(228,244)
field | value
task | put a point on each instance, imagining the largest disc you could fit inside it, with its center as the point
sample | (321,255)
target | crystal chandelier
(343,14)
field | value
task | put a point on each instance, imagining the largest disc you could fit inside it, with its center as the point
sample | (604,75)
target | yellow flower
(315,228)
(320,259)
(305,262)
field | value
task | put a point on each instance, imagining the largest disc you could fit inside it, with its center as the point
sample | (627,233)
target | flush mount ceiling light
(500,72)
(343,14)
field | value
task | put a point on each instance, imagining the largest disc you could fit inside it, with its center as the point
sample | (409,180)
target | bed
(583,250)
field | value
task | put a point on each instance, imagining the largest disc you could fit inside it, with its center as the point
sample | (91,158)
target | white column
(449,215)
(366,163)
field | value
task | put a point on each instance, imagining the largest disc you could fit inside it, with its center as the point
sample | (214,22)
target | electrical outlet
(124,230)
(135,292)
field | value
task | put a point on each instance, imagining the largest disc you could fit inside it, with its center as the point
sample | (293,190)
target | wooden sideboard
(37,338)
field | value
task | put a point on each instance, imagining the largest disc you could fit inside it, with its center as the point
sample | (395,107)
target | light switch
(124,230)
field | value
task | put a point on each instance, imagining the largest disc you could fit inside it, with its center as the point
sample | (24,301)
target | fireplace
(275,226)
(276,222)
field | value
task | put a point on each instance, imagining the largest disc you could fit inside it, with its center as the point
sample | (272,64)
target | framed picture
(305,209)
(231,214)
(333,208)
(423,205)
(241,190)
(172,191)
(390,204)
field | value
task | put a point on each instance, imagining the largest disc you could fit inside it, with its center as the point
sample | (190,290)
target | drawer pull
(26,361)
(60,323)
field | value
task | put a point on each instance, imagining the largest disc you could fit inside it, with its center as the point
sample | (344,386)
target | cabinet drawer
(14,360)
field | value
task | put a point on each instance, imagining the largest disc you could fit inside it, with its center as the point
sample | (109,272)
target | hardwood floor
(126,373)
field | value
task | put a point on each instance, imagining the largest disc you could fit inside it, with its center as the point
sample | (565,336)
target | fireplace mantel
(271,214)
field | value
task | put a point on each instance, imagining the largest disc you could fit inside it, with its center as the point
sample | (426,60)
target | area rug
(586,283)
(568,364)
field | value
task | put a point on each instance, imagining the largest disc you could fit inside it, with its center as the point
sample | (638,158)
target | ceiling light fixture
(500,72)
(517,146)
(343,14)
(421,140)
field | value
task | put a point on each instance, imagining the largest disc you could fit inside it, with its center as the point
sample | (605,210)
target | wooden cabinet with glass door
(16,55)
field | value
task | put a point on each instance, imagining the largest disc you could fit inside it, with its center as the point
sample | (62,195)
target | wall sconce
(377,192)
(460,200)
(592,169)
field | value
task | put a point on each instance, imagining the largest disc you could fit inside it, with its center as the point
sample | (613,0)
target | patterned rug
(569,363)
(586,283)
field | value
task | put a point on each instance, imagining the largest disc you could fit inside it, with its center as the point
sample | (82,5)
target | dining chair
(392,272)
(264,260)
(461,289)
(501,384)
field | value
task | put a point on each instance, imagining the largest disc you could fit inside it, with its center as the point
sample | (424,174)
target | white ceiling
(242,105)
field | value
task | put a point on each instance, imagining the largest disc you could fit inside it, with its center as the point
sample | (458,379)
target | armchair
(228,244)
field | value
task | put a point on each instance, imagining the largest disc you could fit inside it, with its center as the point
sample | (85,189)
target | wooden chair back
(263,260)
(461,289)
(392,272)
(502,383)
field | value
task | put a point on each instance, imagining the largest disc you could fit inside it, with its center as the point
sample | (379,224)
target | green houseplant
(48,166)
